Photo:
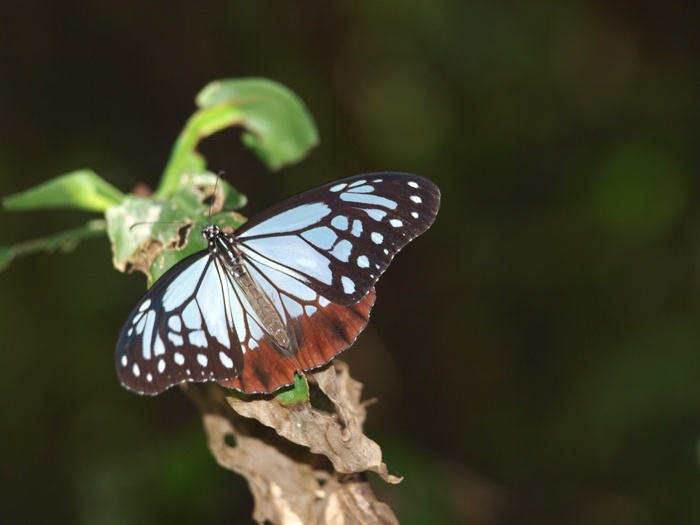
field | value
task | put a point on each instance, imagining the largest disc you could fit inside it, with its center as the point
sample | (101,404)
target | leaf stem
(63,241)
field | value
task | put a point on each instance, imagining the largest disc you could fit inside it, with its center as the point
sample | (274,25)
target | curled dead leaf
(303,465)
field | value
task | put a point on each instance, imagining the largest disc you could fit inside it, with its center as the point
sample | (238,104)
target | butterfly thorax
(222,245)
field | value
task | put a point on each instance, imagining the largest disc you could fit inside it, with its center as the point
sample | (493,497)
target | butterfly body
(286,292)
(221,243)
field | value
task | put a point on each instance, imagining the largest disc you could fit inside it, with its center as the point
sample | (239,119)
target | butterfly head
(220,242)
(210,233)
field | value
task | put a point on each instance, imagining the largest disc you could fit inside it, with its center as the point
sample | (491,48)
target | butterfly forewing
(180,331)
(340,237)
(312,260)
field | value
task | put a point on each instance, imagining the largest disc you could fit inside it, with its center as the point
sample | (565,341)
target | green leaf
(279,128)
(152,235)
(64,241)
(296,393)
(82,189)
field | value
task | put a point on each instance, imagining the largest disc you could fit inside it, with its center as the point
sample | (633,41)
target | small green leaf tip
(82,189)
(296,393)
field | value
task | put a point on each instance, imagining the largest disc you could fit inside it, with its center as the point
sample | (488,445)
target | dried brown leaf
(303,465)
(338,436)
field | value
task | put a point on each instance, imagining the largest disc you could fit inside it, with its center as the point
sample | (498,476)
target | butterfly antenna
(182,223)
(213,195)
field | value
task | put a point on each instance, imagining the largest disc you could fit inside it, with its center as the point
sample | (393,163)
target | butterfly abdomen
(264,309)
(222,245)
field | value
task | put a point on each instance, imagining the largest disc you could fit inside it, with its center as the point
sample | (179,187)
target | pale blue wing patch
(298,218)
(293,251)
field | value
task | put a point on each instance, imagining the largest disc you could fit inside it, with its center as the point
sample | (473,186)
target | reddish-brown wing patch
(316,339)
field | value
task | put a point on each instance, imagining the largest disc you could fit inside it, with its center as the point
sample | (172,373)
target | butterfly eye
(292,289)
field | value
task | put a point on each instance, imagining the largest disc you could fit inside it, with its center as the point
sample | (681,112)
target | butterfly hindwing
(318,328)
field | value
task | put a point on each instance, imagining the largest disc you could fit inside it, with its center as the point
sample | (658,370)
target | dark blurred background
(536,354)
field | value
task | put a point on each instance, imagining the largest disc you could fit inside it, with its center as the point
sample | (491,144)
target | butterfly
(286,292)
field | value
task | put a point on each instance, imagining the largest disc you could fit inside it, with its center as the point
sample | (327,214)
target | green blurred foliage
(536,354)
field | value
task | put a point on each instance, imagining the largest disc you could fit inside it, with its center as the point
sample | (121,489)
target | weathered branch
(304,465)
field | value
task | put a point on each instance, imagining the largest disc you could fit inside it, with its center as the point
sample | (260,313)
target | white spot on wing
(342,250)
(377,238)
(374,200)
(348,285)
(340,222)
(158,347)
(416,199)
(338,187)
(197,338)
(362,261)
(322,237)
(358,183)
(414,214)
(149,377)
(202,359)
(145,305)
(124,360)
(140,325)
(179,358)
(323,302)
(174,323)
(310,309)
(377,215)
(175,339)
(396,223)
(363,189)
(161,365)
(225,360)
(413,184)
(148,334)
(136,370)
(356,228)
